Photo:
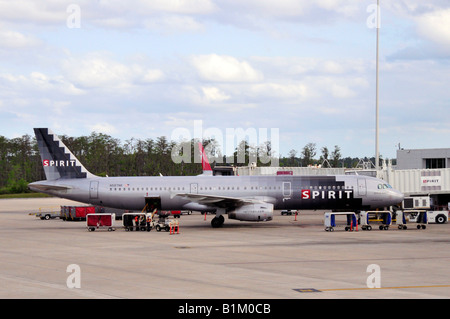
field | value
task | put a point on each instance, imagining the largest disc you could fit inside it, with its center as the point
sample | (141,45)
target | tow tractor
(163,221)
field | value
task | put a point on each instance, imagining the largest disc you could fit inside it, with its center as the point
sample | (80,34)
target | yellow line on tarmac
(399,287)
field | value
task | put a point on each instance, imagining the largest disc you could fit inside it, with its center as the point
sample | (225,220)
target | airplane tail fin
(57,159)
(205,163)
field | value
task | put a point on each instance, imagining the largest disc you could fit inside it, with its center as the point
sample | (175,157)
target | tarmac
(287,258)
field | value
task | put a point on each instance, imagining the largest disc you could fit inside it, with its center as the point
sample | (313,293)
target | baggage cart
(100,221)
(420,217)
(135,221)
(381,218)
(46,213)
(78,213)
(350,224)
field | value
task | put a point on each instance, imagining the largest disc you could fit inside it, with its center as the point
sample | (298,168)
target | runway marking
(398,287)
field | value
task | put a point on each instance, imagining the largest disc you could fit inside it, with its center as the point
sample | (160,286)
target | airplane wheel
(217,222)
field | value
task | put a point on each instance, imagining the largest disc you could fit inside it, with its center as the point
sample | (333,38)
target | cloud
(166,15)
(222,68)
(98,70)
(214,94)
(290,8)
(16,40)
(37,82)
(170,24)
(435,26)
(103,127)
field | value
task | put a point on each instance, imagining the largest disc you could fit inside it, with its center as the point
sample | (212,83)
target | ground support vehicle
(381,218)
(288,212)
(100,221)
(433,216)
(420,217)
(176,213)
(163,223)
(351,222)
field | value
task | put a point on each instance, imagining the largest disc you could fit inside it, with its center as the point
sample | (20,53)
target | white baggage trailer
(420,217)
(350,224)
(381,218)
(137,221)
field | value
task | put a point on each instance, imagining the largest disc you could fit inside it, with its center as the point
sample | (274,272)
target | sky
(293,71)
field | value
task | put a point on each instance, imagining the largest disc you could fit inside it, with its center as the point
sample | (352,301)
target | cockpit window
(383,186)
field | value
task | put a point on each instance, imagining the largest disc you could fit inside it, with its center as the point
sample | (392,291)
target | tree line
(104,155)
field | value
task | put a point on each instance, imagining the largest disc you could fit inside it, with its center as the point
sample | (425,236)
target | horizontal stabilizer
(42,187)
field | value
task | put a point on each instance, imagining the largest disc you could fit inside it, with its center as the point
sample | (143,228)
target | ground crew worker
(149,221)
(136,222)
(142,221)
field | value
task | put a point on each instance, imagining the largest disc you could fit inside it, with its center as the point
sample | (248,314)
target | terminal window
(434,163)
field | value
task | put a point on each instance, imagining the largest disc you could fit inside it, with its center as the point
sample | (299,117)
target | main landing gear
(217,221)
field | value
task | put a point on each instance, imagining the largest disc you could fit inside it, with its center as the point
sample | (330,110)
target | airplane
(244,198)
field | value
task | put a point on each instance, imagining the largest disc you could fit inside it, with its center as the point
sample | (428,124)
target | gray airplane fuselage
(339,192)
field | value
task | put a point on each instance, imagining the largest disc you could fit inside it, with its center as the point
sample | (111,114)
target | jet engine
(253,212)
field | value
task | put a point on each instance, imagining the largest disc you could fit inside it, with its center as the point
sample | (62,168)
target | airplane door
(287,191)
(362,187)
(93,190)
(194,188)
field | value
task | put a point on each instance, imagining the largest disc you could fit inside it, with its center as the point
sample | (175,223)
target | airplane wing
(221,201)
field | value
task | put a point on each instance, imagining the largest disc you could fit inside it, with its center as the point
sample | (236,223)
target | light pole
(377,126)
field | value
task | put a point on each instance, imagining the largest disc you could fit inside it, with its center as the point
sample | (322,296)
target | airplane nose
(397,196)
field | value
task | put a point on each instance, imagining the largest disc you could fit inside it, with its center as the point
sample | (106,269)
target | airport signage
(430,180)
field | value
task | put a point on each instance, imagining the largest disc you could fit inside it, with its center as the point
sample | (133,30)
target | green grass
(23,195)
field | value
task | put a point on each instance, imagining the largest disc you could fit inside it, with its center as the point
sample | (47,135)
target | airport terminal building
(435,158)
(422,172)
